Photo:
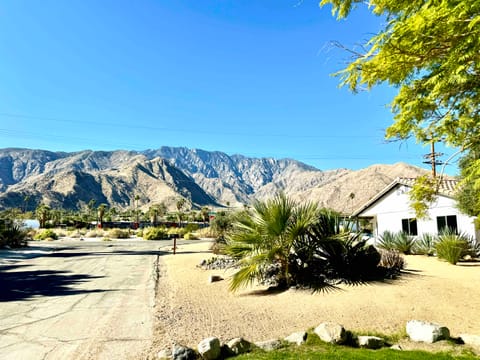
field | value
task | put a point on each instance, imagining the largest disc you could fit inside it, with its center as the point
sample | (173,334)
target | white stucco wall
(389,211)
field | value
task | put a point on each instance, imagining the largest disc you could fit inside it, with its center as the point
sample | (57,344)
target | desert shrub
(190,236)
(13,236)
(106,239)
(451,247)
(139,233)
(155,233)
(399,241)
(392,261)
(206,232)
(191,228)
(94,233)
(218,247)
(425,244)
(175,231)
(119,233)
(46,234)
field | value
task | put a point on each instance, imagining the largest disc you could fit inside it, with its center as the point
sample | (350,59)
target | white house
(390,210)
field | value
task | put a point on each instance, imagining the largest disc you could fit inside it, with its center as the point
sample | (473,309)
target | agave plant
(399,241)
(267,236)
(425,244)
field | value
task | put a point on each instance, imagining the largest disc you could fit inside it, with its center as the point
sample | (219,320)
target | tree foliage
(430,50)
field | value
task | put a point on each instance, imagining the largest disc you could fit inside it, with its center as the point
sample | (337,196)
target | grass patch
(318,350)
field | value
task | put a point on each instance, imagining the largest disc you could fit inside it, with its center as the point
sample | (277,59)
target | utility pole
(431,158)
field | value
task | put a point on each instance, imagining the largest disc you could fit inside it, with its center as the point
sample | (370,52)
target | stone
(370,342)
(181,352)
(239,346)
(331,333)
(210,348)
(472,340)
(269,345)
(165,354)
(297,337)
(215,278)
(422,331)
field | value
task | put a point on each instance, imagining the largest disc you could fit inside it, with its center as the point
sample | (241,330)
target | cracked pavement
(79,300)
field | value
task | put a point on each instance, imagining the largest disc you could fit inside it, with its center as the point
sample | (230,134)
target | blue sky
(242,77)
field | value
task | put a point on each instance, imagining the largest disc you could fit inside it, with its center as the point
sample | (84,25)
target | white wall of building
(389,211)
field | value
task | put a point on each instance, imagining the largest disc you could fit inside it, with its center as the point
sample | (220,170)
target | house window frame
(410,226)
(447,222)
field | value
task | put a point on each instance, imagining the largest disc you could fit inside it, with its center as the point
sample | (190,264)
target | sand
(189,308)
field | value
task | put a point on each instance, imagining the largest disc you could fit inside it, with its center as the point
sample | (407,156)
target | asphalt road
(78,299)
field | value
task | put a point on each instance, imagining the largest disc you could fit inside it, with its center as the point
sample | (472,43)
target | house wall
(389,211)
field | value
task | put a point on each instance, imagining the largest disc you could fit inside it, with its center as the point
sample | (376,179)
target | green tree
(101,210)
(268,236)
(43,214)
(430,51)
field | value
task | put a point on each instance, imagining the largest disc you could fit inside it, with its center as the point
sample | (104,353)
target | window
(447,222)
(409,226)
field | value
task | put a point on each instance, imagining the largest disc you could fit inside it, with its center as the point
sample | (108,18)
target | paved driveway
(78,300)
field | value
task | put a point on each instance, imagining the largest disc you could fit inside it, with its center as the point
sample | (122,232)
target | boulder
(269,345)
(472,340)
(297,337)
(426,332)
(239,346)
(181,352)
(331,333)
(210,348)
(165,354)
(370,342)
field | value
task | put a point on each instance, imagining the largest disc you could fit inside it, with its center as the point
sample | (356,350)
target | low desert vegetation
(46,234)
(300,245)
(13,235)
(155,233)
(118,233)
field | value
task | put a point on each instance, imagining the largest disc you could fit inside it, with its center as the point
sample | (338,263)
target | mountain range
(203,178)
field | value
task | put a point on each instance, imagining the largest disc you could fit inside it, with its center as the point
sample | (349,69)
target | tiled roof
(447,187)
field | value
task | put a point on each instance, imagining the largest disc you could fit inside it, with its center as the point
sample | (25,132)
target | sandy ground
(189,308)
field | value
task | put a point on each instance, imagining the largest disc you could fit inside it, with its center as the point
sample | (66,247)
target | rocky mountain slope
(71,180)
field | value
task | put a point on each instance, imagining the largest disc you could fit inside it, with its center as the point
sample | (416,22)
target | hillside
(71,180)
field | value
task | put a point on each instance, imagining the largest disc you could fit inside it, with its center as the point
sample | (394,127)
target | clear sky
(241,77)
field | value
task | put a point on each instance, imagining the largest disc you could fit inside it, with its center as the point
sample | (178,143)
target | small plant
(451,247)
(175,231)
(46,234)
(139,233)
(13,236)
(190,236)
(94,233)
(155,233)
(392,260)
(119,233)
(425,245)
(106,239)
(399,241)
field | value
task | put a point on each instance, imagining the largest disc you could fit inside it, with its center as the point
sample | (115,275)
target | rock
(210,348)
(396,347)
(165,354)
(181,352)
(426,332)
(269,345)
(239,346)
(472,340)
(331,333)
(370,342)
(297,337)
(215,278)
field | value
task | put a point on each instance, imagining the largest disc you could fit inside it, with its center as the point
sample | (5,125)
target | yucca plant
(425,244)
(452,247)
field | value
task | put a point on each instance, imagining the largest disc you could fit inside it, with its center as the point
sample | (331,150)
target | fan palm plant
(267,236)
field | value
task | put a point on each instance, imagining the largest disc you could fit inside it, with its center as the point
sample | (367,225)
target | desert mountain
(71,180)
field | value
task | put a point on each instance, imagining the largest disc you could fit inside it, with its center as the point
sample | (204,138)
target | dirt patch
(189,308)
